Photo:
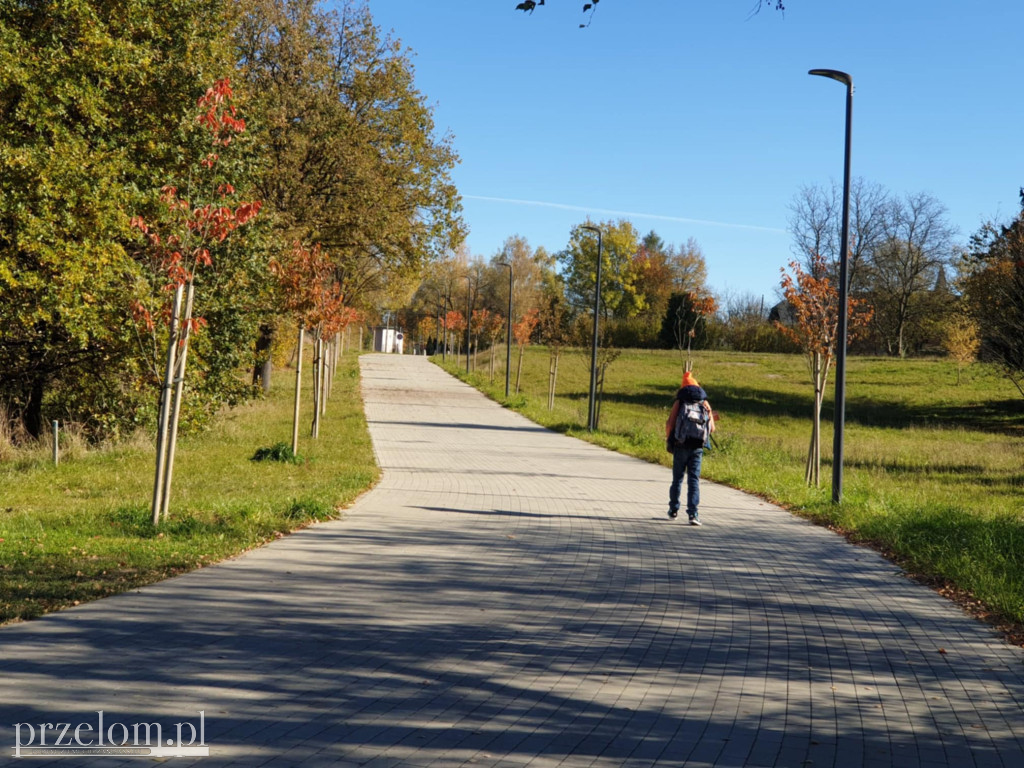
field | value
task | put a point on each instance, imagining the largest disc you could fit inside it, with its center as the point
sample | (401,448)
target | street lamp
(840,415)
(508,327)
(447,303)
(469,315)
(593,353)
(438,339)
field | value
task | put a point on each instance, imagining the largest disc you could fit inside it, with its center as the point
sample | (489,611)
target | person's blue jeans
(685,462)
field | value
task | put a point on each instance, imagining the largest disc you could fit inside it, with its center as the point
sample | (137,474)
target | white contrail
(624,214)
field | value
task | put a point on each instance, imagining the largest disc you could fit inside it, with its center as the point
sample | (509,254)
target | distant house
(782,313)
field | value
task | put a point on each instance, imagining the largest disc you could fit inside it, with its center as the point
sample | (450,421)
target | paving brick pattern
(507,597)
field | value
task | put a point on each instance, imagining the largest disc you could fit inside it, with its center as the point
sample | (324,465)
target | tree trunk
(819,373)
(32,418)
(263,362)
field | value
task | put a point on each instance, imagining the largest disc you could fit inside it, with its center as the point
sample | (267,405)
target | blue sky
(695,118)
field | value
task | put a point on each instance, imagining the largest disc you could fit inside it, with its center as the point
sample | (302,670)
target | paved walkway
(508,597)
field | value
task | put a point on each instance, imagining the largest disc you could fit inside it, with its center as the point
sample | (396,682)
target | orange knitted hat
(689,381)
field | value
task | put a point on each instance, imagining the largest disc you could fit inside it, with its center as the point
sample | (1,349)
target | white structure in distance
(388,340)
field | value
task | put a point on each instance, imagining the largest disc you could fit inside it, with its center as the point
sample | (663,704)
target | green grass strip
(82,530)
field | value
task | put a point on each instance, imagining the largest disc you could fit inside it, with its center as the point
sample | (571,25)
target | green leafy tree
(93,117)
(994,294)
(351,159)
(620,289)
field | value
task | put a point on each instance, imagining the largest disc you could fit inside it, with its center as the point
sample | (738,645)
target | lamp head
(833,74)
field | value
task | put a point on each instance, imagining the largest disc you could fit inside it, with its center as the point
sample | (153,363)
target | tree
(815,305)
(310,292)
(351,157)
(181,241)
(555,332)
(961,341)
(489,326)
(528,269)
(905,266)
(620,295)
(522,332)
(93,121)
(994,294)
(816,225)
(685,322)
(653,281)
(688,267)
(454,326)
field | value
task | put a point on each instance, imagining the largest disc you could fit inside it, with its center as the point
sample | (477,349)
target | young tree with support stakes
(815,304)
(312,294)
(179,243)
(455,324)
(555,332)
(482,319)
(961,341)
(522,333)
(691,309)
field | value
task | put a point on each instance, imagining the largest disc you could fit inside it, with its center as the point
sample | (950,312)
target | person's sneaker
(694,520)
(673,513)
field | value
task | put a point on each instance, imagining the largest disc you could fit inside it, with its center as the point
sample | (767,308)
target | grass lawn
(934,472)
(82,530)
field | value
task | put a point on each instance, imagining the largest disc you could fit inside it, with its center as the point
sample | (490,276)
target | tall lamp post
(447,303)
(591,411)
(844,268)
(508,326)
(469,315)
(438,340)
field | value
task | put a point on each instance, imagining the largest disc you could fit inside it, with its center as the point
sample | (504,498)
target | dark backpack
(692,427)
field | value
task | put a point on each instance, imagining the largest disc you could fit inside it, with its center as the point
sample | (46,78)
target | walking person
(688,428)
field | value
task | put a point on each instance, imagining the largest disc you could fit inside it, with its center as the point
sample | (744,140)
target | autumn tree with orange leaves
(687,312)
(815,328)
(522,332)
(311,293)
(180,241)
(488,326)
(454,323)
